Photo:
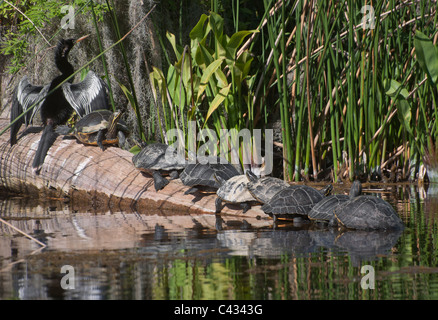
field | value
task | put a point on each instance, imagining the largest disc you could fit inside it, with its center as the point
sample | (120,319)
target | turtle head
(327,190)
(113,122)
(356,189)
(251,176)
(219,179)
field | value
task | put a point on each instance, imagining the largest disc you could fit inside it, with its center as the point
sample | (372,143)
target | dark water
(115,255)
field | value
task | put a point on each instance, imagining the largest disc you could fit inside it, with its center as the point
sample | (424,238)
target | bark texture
(80,173)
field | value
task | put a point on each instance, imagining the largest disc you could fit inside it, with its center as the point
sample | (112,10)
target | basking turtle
(368,213)
(202,174)
(156,159)
(234,190)
(263,189)
(324,210)
(295,199)
(101,127)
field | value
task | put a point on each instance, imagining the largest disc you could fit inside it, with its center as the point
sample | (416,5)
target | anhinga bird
(83,97)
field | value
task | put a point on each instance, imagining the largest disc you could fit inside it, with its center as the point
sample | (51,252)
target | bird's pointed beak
(82,38)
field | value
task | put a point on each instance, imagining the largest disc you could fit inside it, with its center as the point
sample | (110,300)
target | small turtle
(202,174)
(295,199)
(156,159)
(368,213)
(234,190)
(101,127)
(324,210)
(263,189)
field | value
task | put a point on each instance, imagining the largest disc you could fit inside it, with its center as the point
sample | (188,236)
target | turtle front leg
(122,138)
(99,139)
(159,181)
(191,191)
(245,206)
(218,204)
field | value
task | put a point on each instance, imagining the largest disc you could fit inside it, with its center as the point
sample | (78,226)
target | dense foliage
(352,84)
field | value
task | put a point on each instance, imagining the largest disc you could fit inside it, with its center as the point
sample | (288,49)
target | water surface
(153,255)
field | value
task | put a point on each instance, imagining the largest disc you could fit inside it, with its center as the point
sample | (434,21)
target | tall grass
(353,83)
(341,104)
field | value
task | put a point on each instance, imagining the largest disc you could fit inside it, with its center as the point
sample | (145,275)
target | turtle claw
(159,181)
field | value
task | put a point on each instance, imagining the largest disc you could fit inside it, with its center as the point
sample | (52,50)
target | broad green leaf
(404,114)
(216,23)
(391,87)
(220,97)
(128,94)
(135,149)
(203,57)
(427,55)
(403,108)
(158,80)
(176,48)
(221,78)
(174,87)
(199,31)
(208,72)
(235,41)
(186,73)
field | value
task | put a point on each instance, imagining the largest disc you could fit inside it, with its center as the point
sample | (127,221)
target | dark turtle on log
(368,213)
(263,189)
(295,200)
(325,209)
(158,159)
(204,175)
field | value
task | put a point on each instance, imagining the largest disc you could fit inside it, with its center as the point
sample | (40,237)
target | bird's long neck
(61,60)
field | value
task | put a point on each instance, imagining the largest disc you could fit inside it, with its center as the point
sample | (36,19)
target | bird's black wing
(86,96)
(25,96)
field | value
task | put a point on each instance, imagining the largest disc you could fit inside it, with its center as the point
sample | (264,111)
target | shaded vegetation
(349,88)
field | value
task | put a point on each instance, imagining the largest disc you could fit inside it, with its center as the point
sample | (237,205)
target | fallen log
(89,176)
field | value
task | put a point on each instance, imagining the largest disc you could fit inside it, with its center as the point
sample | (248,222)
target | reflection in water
(152,255)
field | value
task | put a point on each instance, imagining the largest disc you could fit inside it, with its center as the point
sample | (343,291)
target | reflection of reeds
(42,245)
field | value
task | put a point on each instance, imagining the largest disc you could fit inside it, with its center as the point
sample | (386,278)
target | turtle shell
(368,213)
(293,200)
(87,128)
(263,189)
(234,190)
(156,156)
(203,174)
(324,210)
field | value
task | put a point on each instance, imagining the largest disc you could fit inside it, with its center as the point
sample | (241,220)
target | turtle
(204,174)
(263,189)
(368,212)
(101,127)
(324,210)
(234,190)
(295,200)
(157,159)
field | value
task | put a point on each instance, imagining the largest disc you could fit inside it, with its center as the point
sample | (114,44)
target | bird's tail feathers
(47,139)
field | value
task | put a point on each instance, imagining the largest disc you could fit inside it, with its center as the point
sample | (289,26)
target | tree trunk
(87,175)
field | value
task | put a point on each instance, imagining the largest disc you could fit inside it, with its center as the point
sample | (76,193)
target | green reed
(353,98)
